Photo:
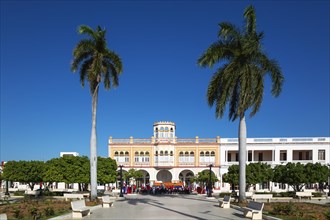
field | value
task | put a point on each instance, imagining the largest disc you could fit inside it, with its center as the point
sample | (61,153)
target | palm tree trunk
(242,158)
(93,158)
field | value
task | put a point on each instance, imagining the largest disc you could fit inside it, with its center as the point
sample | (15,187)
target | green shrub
(283,209)
(287,194)
(19,193)
(327,214)
(49,211)
(317,194)
(17,213)
(34,212)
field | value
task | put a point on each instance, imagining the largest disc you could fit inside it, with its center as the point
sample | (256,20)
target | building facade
(166,158)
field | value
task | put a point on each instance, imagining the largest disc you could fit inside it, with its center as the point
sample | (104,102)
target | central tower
(164,131)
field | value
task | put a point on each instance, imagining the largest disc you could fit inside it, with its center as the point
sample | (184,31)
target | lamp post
(7,192)
(210,182)
(121,181)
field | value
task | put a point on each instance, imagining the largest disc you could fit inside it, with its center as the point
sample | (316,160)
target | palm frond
(228,32)
(250,19)
(84,70)
(275,72)
(115,59)
(215,53)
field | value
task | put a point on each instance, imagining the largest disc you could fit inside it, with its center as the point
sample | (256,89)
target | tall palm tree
(238,82)
(96,63)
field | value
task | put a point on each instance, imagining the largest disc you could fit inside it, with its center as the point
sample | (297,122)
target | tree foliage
(255,173)
(258,173)
(133,173)
(297,175)
(106,170)
(232,175)
(30,172)
(203,177)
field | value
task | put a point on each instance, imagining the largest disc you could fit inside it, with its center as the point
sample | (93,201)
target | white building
(275,151)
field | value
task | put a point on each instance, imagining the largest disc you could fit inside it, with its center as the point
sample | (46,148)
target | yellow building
(166,158)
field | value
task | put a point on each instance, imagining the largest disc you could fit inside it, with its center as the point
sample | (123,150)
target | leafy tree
(106,170)
(231,176)
(96,63)
(258,173)
(239,81)
(68,169)
(29,172)
(316,173)
(55,170)
(132,173)
(292,174)
(204,177)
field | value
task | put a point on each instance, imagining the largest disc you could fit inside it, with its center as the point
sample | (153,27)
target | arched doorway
(144,179)
(186,176)
(164,176)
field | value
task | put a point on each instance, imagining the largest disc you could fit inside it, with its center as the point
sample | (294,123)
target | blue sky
(44,109)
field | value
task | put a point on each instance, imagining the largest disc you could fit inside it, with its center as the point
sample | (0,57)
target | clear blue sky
(44,109)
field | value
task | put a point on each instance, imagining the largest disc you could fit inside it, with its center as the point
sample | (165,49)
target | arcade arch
(164,176)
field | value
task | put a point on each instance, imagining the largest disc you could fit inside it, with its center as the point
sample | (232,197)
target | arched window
(136,156)
(201,157)
(156,153)
(146,156)
(181,157)
(207,157)
(212,158)
(161,153)
(121,153)
(171,153)
(126,156)
(186,153)
(116,153)
(141,153)
(166,153)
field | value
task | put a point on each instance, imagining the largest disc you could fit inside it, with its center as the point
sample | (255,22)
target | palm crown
(96,61)
(239,81)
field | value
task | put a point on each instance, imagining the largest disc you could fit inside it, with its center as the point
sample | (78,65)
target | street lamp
(210,182)
(7,192)
(121,181)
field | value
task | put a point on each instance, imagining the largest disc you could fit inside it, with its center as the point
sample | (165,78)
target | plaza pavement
(177,207)
(163,207)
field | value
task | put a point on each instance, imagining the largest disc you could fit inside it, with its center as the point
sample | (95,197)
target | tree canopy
(30,172)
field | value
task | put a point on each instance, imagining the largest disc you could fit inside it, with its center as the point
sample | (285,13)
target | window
(283,155)
(229,157)
(321,155)
(260,156)
(250,156)
(236,155)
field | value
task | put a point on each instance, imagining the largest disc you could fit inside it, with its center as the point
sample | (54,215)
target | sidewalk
(163,207)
